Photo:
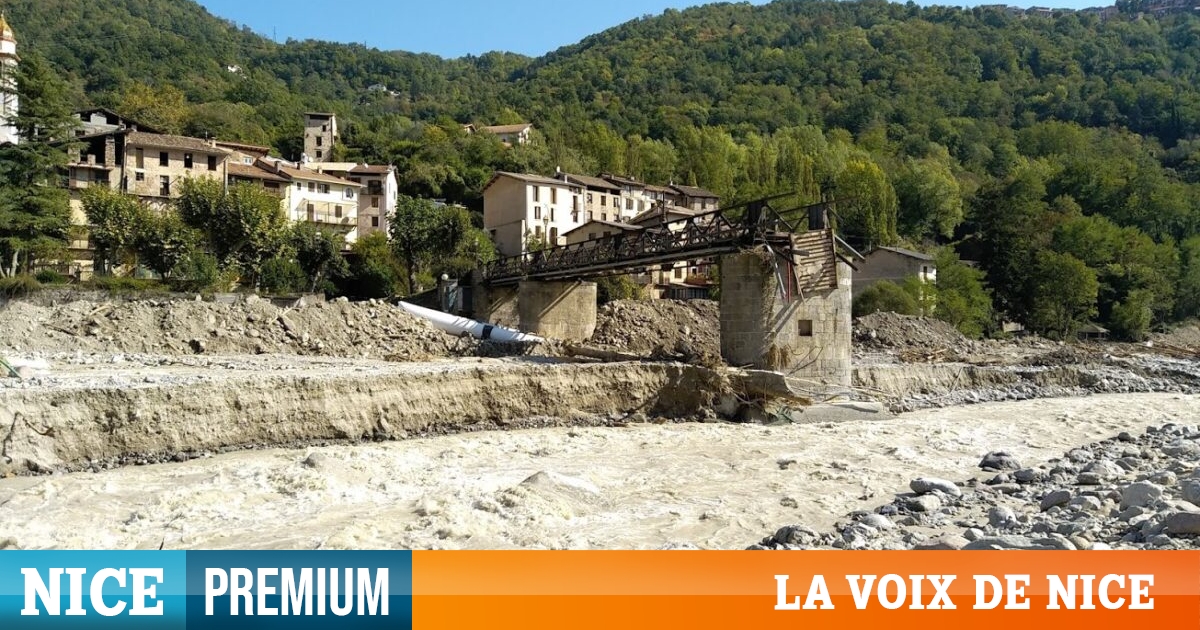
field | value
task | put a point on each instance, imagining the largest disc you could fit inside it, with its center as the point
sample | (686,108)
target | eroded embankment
(65,425)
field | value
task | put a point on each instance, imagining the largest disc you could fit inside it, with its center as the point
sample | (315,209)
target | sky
(453,28)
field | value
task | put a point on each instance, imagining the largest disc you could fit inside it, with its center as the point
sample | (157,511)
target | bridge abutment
(558,310)
(803,331)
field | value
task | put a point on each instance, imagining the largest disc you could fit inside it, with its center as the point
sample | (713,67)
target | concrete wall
(494,305)
(809,337)
(559,310)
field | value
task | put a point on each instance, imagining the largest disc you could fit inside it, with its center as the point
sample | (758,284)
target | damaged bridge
(784,288)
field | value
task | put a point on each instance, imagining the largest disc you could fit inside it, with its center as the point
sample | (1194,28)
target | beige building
(894,264)
(519,207)
(8,82)
(376,199)
(320,135)
(511,134)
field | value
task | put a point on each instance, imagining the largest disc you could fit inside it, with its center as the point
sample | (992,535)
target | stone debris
(1142,495)
(688,329)
(251,326)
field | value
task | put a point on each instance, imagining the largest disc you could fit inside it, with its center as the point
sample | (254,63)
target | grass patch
(19,286)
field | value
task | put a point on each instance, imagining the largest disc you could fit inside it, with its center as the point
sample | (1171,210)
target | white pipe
(459,326)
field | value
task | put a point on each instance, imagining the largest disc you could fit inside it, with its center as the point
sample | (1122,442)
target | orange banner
(781,589)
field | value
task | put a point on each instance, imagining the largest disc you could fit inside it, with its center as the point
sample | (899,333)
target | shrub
(885,296)
(49,276)
(196,272)
(18,286)
(281,275)
(116,284)
(613,288)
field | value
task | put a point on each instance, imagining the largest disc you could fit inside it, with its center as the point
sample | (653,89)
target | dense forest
(1062,154)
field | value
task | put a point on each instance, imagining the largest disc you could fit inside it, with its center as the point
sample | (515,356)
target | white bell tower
(8,82)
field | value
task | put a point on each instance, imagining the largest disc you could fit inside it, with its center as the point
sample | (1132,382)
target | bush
(49,276)
(18,286)
(115,284)
(885,296)
(613,288)
(374,270)
(1130,320)
(281,275)
(195,272)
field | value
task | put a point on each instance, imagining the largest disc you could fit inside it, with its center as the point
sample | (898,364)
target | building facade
(894,264)
(320,135)
(519,209)
(376,198)
(511,134)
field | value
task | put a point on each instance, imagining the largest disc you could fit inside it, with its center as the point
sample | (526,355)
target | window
(299,186)
(537,230)
(553,196)
(591,216)
(320,141)
(312,187)
(187,160)
(603,200)
(591,236)
(164,159)
(212,162)
(374,221)
(349,192)
(140,176)
(319,155)
(551,213)
(140,157)
(164,186)
(629,204)
(603,217)
(537,193)
(324,189)
(537,213)
(337,211)
(804,328)
(374,202)
(589,197)
(925,270)
(554,236)
(678,273)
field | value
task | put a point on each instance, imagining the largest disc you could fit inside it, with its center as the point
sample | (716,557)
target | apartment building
(519,208)
(511,134)
(376,199)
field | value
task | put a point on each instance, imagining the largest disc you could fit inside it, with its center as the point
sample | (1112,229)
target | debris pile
(688,329)
(1126,492)
(903,333)
(253,326)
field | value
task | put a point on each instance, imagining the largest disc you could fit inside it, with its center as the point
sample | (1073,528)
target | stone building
(894,264)
(320,136)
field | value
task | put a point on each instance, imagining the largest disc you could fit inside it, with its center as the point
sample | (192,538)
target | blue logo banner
(205,589)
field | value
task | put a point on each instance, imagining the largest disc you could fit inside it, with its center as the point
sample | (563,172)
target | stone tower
(8,82)
(320,133)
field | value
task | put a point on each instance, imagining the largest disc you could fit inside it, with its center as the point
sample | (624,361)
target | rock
(1190,491)
(796,535)
(316,460)
(1130,513)
(1001,517)
(1162,478)
(1089,479)
(1140,494)
(925,485)
(973,534)
(878,521)
(999,460)
(1126,436)
(1182,449)
(1105,468)
(1018,542)
(1029,475)
(947,542)
(1086,504)
(1182,523)
(1055,499)
(924,503)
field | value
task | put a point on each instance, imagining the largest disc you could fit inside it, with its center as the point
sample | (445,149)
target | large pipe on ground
(459,326)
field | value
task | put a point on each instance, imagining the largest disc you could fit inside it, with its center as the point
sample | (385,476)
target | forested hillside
(1061,153)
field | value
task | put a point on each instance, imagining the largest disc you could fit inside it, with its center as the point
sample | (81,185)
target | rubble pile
(889,331)
(252,326)
(663,328)
(1127,492)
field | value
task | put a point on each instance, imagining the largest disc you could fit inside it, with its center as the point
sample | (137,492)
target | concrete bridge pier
(558,310)
(802,330)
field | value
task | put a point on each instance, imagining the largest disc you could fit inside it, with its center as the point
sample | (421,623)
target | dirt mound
(255,326)
(1184,336)
(903,332)
(690,328)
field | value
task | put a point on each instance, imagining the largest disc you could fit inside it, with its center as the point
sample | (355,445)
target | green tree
(374,270)
(319,253)
(421,230)
(929,198)
(962,297)
(163,107)
(869,213)
(164,241)
(887,297)
(1064,293)
(35,214)
(115,225)
(242,226)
